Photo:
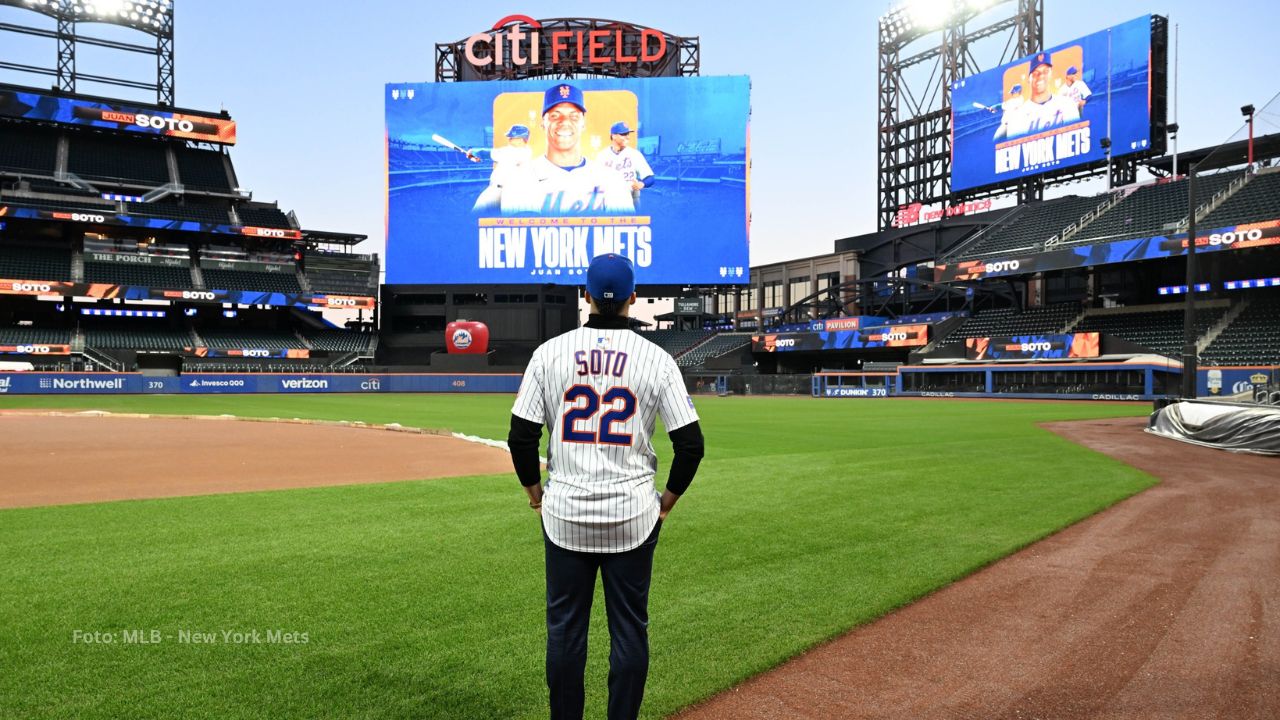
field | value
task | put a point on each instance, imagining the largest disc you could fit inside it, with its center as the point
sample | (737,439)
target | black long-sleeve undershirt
(687,441)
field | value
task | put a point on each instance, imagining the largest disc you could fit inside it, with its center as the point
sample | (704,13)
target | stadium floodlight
(930,14)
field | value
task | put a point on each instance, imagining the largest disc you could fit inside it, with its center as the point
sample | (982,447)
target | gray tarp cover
(1227,426)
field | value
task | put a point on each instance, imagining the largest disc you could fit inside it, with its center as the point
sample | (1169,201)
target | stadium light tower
(914,119)
(152,17)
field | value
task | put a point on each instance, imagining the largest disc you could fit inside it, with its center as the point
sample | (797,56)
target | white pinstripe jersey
(629,163)
(599,391)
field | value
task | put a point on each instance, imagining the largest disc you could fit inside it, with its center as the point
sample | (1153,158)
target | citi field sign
(518,40)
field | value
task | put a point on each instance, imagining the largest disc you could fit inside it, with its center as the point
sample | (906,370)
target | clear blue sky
(813,124)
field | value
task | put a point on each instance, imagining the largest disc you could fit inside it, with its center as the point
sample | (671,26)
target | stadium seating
(136,161)
(675,341)
(34,336)
(1158,329)
(202,170)
(173,210)
(715,347)
(101,208)
(250,281)
(339,340)
(1253,338)
(1008,322)
(263,217)
(253,339)
(22,262)
(28,150)
(1150,210)
(1030,227)
(151,276)
(1258,200)
(127,338)
(341,282)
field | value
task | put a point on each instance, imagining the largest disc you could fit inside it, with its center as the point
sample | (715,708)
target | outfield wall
(39,383)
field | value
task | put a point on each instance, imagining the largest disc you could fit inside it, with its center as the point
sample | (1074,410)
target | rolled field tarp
(1236,427)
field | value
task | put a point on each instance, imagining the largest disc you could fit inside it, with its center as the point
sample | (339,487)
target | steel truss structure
(683,57)
(914,133)
(152,17)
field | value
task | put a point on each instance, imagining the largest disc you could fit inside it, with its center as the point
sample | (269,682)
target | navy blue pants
(571,584)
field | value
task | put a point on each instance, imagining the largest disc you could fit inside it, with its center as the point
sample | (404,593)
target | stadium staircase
(196,340)
(304,282)
(714,346)
(1256,201)
(1008,322)
(676,342)
(77,263)
(1156,327)
(1071,230)
(103,360)
(976,239)
(1027,230)
(1212,334)
(197,276)
(1253,338)
(1205,209)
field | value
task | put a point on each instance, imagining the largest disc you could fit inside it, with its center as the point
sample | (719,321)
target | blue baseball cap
(1015,90)
(1071,70)
(518,131)
(562,93)
(620,128)
(1040,59)
(611,277)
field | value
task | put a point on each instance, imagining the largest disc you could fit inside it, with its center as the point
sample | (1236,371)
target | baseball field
(424,599)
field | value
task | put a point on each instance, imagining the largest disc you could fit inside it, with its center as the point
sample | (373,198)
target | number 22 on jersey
(618,404)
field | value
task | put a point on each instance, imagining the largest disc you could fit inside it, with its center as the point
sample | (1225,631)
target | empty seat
(23,262)
(139,161)
(250,281)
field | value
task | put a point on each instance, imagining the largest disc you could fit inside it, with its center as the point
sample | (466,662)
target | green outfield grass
(425,599)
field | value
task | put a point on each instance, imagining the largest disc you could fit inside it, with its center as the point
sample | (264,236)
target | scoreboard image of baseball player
(561,180)
(1051,110)
(627,161)
(594,148)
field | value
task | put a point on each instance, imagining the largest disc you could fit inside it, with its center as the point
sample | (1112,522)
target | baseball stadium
(1011,454)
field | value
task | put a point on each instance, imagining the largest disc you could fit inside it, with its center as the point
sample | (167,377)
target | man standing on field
(598,390)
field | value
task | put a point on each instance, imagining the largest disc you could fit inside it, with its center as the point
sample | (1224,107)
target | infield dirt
(54,460)
(1166,605)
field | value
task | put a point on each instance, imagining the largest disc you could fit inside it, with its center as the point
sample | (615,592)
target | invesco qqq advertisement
(1049,111)
(526,181)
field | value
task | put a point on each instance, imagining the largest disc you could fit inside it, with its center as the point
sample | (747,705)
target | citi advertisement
(1051,110)
(35,105)
(1033,347)
(861,339)
(526,181)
